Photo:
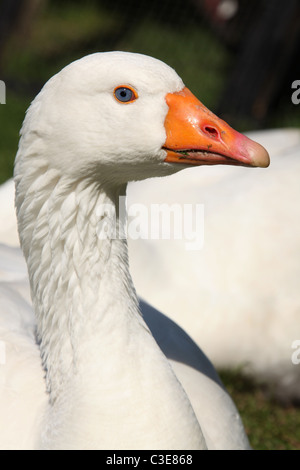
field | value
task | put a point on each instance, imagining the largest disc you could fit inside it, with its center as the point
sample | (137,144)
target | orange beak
(195,136)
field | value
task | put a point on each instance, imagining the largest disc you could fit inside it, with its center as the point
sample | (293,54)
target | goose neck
(109,384)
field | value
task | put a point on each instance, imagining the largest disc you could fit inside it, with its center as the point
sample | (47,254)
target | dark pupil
(124,94)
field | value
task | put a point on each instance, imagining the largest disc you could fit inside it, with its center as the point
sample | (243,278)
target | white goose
(103,381)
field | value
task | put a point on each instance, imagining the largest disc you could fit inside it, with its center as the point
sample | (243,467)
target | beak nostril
(212,132)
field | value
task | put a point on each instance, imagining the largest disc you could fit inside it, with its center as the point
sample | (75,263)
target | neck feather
(108,382)
(64,228)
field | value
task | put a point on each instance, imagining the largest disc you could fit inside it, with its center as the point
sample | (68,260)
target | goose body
(82,368)
(245,277)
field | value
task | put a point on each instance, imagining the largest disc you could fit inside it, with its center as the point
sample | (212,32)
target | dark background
(239,56)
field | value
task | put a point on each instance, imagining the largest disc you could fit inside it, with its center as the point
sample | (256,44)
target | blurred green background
(240,58)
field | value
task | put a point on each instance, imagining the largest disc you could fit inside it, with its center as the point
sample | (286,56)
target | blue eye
(125,94)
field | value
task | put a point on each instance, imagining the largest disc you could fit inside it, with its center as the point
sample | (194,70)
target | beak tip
(260,157)
(257,154)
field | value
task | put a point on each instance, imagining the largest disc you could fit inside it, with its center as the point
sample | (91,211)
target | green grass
(269,424)
(64,33)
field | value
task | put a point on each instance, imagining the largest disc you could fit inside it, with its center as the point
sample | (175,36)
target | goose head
(118,117)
